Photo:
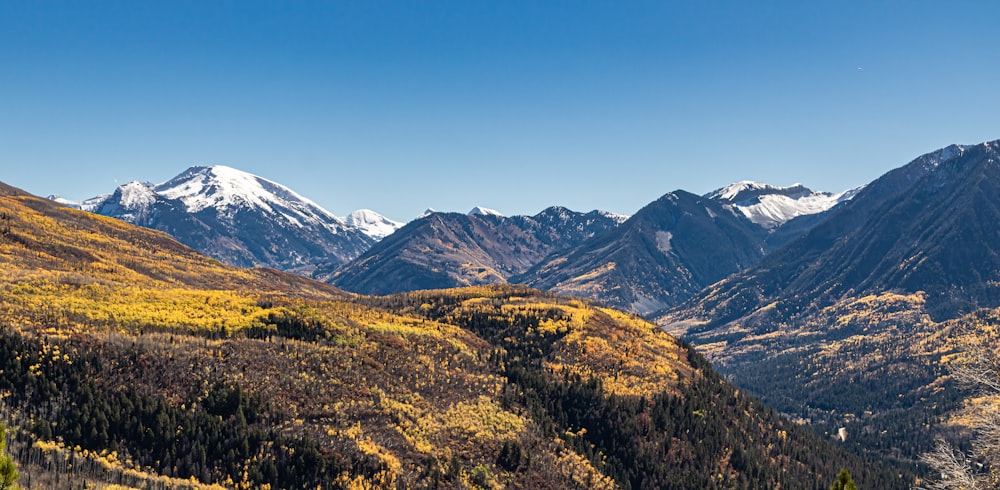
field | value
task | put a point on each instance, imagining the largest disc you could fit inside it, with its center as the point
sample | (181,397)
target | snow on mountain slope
(66,202)
(133,202)
(481,211)
(372,224)
(619,218)
(771,206)
(226,189)
(89,205)
(243,219)
(136,195)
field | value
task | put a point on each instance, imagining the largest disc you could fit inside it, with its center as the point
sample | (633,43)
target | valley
(842,312)
(150,365)
(499,245)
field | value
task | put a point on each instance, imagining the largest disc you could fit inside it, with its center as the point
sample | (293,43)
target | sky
(399,106)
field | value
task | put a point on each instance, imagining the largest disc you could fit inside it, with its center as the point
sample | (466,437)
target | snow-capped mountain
(481,211)
(681,243)
(243,219)
(65,202)
(372,224)
(771,206)
(132,202)
(229,190)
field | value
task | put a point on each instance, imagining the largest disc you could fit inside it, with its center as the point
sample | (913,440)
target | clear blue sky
(513,105)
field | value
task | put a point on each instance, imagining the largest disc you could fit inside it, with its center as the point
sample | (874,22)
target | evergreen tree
(8,472)
(844,482)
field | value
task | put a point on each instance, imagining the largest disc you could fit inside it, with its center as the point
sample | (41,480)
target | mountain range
(130,359)
(927,226)
(656,259)
(840,310)
(680,243)
(861,313)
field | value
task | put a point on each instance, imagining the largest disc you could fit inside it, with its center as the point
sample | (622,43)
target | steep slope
(243,219)
(681,243)
(772,206)
(875,243)
(850,324)
(128,358)
(372,224)
(666,252)
(443,250)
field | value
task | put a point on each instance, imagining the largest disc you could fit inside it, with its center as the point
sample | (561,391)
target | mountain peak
(771,206)
(747,189)
(618,218)
(132,202)
(427,212)
(446,250)
(243,219)
(225,188)
(372,224)
(65,202)
(135,195)
(481,211)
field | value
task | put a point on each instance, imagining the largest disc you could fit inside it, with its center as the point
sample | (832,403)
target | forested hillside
(130,359)
(856,323)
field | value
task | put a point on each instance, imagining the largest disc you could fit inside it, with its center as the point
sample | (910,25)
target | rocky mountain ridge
(243,219)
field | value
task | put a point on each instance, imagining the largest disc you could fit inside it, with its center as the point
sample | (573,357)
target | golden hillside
(129,359)
(878,365)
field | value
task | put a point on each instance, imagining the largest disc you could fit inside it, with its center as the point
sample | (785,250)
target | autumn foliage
(149,365)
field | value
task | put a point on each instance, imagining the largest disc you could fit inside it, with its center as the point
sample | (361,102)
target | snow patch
(732,191)
(130,202)
(663,239)
(93,204)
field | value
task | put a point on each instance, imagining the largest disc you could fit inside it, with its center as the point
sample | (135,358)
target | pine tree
(844,482)
(8,472)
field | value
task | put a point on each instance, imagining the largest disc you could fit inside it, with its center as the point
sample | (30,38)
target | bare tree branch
(978,469)
(955,467)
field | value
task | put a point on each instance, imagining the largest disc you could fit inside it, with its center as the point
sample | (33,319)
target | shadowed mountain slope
(666,252)
(851,324)
(929,226)
(444,250)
